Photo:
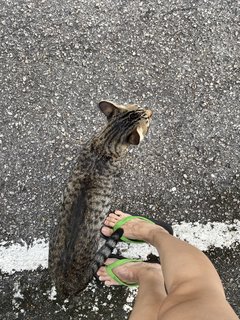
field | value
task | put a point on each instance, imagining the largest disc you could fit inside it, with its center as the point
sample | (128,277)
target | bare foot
(132,272)
(134,229)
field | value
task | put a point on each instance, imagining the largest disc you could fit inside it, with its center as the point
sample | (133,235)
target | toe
(119,213)
(105,278)
(101,271)
(112,217)
(109,283)
(109,223)
(106,231)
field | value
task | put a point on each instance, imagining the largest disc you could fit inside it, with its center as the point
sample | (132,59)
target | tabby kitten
(74,257)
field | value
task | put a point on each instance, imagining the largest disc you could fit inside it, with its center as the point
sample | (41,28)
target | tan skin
(194,288)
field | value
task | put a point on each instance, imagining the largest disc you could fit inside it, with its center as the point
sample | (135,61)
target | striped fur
(74,254)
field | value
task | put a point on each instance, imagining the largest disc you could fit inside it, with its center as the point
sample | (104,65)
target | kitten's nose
(149,113)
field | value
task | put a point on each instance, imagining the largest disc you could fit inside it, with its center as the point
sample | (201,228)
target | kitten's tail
(69,284)
(105,251)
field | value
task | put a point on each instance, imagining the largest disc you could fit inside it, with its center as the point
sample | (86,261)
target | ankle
(156,234)
(145,231)
(150,271)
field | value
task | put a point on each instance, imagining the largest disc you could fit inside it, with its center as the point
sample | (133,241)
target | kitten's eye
(132,116)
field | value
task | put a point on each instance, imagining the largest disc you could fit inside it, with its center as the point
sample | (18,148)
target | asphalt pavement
(57,60)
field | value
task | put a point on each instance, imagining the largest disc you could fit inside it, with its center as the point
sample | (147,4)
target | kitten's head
(128,124)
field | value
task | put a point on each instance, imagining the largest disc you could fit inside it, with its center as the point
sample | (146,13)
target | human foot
(129,273)
(134,229)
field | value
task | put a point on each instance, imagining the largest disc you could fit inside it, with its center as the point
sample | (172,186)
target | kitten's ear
(136,136)
(108,108)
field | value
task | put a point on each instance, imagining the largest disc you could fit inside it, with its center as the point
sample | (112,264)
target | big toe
(106,231)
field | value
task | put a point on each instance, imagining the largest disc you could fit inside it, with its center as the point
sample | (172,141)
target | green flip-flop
(117,263)
(160,223)
(121,222)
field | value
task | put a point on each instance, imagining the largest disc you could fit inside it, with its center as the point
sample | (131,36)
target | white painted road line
(17,257)
(212,234)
